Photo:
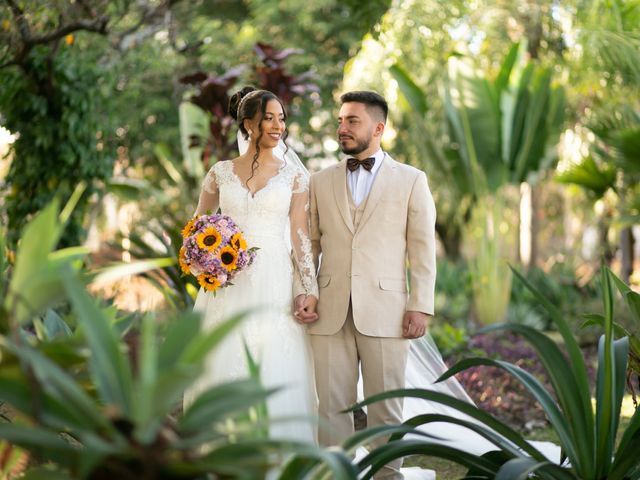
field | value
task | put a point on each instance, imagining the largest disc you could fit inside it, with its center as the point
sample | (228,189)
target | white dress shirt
(361,180)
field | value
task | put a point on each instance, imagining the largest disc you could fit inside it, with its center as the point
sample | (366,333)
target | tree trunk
(535,225)
(603,233)
(626,247)
(527,245)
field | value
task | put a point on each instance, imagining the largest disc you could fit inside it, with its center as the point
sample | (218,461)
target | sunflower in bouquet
(214,250)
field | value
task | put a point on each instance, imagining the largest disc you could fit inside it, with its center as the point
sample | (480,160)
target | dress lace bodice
(281,206)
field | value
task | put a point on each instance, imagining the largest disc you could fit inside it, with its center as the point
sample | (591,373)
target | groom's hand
(415,324)
(305,309)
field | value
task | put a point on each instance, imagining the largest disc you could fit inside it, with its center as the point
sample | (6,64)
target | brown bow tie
(354,163)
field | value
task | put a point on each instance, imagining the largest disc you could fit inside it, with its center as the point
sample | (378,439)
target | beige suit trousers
(382,361)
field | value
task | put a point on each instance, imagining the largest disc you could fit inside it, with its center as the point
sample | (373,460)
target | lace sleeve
(209,196)
(299,218)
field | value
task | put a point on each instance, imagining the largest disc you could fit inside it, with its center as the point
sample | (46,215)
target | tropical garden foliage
(525,117)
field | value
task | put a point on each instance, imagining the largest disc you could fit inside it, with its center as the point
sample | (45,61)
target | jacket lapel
(378,188)
(340,193)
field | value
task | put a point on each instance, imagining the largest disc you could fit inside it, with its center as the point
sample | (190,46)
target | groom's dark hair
(374,102)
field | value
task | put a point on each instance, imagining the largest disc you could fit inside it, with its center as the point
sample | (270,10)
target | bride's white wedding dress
(276,342)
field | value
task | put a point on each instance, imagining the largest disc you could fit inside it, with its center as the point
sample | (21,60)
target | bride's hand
(305,309)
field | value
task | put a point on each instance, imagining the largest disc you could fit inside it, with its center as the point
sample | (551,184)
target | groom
(369,215)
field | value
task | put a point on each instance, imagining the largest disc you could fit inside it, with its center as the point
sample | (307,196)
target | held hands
(305,309)
(415,324)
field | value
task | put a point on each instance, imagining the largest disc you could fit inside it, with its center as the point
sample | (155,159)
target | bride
(267,195)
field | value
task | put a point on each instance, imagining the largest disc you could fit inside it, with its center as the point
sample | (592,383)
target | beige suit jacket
(369,264)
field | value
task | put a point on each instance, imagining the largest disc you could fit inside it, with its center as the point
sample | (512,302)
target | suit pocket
(324,281)
(393,284)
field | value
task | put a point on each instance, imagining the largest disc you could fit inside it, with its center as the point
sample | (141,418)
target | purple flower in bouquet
(214,250)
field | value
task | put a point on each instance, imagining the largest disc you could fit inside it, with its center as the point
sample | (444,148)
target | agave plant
(587,434)
(83,408)
(632,300)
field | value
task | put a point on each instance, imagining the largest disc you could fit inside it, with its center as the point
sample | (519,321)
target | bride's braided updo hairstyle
(246,104)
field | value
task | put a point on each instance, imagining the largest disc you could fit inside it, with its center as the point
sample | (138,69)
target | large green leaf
(38,240)
(219,402)
(178,336)
(631,298)
(47,443)
(605,386)
(55,413)
(122,270)
(498,440)
(609,393)
(108,364)
(54,326)
(45,474)
(384,454)
(200,347)
(534,132)
(475,118)
(412,92)
(446,161)
(626,458)
(589,175)
(560,424)
(522,468)
(462,406)
(252,457)
(362,437)
(63,388)
(144,387)
(563,380)
(576,360)
(308,458)
(502,80)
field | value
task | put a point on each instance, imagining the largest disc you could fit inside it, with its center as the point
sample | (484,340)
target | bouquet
(214,250)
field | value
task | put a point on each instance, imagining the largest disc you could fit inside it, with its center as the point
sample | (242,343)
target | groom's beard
(360,147)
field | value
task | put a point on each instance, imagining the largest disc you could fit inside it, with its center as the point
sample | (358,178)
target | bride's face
(270,129)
